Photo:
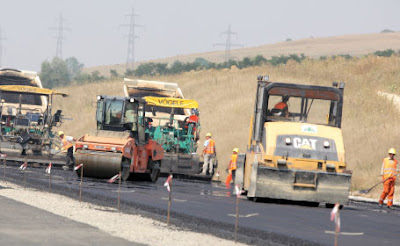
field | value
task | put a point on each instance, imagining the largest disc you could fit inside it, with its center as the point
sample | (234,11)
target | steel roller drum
(97,164)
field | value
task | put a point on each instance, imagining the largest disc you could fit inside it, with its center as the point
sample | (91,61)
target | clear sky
(175,27)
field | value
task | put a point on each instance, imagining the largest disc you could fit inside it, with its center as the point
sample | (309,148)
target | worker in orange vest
(194,120)
(233,163)
(281,108)
(209,152)
(232,168)
(389,172)
(67,144)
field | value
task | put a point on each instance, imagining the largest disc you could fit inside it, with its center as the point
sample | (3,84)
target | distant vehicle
(120,142)
(296,152)
(170,125)
(26,114)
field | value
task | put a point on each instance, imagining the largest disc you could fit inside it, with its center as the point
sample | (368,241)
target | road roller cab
(120,143)
(295,149)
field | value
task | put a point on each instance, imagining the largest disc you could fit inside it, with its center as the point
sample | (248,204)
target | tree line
(61,72)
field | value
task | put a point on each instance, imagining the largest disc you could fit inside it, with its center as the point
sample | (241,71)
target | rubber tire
(125,173)
(154,174)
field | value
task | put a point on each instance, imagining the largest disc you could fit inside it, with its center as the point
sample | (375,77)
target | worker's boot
(380,206)
(390,207)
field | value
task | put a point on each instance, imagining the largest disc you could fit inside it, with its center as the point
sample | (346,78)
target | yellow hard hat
(392,151)
(236,150)
(208,135)
(60,133)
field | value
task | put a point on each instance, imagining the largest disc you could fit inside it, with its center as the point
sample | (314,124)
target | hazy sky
(175,27)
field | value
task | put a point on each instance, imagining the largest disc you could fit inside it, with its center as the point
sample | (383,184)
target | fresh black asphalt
(209,208)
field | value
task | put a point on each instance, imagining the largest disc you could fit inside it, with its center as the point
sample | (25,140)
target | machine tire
(154,174)
(125,173)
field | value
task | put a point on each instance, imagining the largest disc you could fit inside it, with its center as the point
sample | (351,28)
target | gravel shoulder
(134,228)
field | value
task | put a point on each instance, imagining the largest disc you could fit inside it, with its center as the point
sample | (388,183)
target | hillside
(226,98)
(354,45)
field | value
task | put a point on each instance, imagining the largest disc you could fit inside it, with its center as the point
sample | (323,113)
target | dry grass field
(226,98)
(354,45)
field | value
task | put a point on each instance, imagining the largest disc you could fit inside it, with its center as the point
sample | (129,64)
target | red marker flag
(77,167)
(167,182)
(23,166)
(48,169)
(335,216)
(113,179)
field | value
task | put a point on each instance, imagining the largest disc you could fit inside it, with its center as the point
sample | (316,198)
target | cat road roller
(120,143)
(295,147)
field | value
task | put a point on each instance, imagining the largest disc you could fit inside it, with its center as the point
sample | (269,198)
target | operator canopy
(30,90)
(169,102)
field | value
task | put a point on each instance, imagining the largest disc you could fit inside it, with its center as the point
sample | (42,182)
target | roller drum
(97,164)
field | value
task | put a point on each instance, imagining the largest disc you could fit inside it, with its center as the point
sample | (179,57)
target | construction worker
(194,120)
(232,168)
(388,173)
(209,152)
(281,108)
(67,144)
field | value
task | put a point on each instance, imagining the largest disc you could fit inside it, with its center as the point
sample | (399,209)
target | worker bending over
(389,172)
(209,152)
(67,144)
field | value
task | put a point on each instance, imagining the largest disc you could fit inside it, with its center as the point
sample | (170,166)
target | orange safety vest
(280,105)
(210,149)
(233,162)
(389,169)
(66,144)
(193,119)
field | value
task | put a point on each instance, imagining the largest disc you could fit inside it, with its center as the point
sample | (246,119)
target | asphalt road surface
(21,224)
(210,208)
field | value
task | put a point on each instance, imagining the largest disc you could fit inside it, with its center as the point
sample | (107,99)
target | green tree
(95,76)
(74,67)
(55,73)
(113,74)
(386,53)
(259,60)
(129,72)
(145,69)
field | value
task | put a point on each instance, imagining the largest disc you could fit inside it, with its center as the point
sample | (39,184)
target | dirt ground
(134,228)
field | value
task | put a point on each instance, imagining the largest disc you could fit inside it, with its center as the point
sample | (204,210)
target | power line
(60,35)
(228,44)
(130,56)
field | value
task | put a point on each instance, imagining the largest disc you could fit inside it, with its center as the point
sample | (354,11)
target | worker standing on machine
(194,120)
(67,144)
(389,172)
(209,152)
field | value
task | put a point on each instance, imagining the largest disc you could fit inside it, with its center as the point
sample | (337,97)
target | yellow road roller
(295,148)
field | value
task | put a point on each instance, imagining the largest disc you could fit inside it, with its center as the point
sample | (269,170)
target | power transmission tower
(1,46)
(130,56)
(60,35)
(228,44)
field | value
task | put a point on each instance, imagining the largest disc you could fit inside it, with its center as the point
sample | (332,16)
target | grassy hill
(226,98)
(354,45)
